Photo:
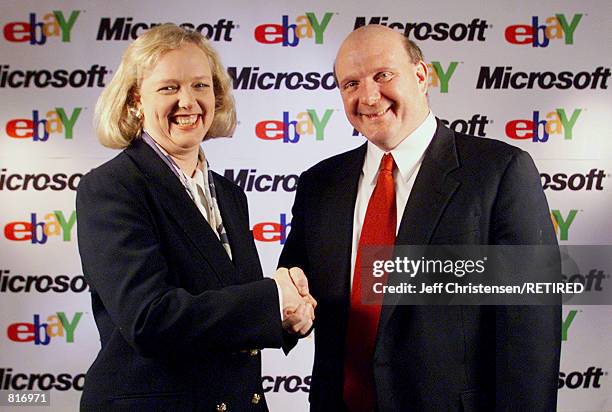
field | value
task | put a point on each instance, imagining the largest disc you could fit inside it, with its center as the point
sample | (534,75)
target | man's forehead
(373,31)
(357,61)
(371,43)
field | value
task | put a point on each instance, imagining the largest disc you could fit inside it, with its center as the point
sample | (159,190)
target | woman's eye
(167,89)
(201,85)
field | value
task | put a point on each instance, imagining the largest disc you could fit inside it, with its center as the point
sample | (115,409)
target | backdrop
(533,74)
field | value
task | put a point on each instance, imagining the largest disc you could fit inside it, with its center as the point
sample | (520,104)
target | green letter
(66,26)
(69,326)
(319,124)
(444,76)
(319,28)
(568,29)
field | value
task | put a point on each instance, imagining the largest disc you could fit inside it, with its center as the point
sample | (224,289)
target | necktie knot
(387,163)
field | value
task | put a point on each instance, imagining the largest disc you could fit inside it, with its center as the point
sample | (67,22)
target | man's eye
(384,76)
(349,85)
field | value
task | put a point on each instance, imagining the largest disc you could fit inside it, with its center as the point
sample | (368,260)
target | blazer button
(254,352)
(222,407)
(256,398)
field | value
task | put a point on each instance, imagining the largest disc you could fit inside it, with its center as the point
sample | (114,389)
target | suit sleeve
(124,266)
(528,338)
(294,252)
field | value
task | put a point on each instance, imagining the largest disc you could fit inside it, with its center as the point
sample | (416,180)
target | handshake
(298,303)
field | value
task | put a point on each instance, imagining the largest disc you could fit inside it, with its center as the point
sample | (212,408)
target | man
(436,187)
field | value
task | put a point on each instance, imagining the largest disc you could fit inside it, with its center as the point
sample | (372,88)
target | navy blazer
(180,323)
(433,358)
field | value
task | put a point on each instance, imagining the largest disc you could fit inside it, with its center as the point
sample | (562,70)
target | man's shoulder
(483,155)
(338,164)
(473,147)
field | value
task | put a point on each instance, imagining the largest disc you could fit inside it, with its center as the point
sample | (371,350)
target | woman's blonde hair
(116,119)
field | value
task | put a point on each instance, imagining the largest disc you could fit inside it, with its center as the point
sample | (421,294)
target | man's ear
(422,74)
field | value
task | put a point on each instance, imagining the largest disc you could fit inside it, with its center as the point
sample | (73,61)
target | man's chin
(381,140)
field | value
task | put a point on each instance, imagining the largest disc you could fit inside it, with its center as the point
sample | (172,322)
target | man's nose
(370,93)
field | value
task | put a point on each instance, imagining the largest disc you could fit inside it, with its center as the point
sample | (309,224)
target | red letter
(18,27)
(11,230)
(512,34)
(262,128)
(261,229)
(263,35)
(515,126)
(15,331)
(13,126)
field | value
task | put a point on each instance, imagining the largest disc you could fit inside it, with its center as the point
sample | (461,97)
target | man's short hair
(414,52)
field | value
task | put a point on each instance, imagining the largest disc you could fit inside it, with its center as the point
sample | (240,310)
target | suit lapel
(432,190)
(178,204)
(339,203)
(227,205)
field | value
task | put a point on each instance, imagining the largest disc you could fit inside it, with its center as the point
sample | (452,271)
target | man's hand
(298,304)
(299,322)
(301,284)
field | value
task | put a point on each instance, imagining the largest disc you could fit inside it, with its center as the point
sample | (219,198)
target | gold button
(221,407)
(256,398)
(254,352)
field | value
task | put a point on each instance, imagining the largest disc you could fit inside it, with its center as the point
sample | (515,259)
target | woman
(176,283)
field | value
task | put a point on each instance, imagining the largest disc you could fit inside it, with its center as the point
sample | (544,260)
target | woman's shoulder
(227,184)
(120,170)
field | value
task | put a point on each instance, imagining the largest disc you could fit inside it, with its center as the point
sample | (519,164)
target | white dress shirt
(408,156)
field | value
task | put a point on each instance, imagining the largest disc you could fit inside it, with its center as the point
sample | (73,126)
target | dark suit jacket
(179,321)
(441,358)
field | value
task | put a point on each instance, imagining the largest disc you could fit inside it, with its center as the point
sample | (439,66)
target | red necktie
(378,229)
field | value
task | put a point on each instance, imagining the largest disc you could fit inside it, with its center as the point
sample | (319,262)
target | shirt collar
(163,154)
(407,155)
